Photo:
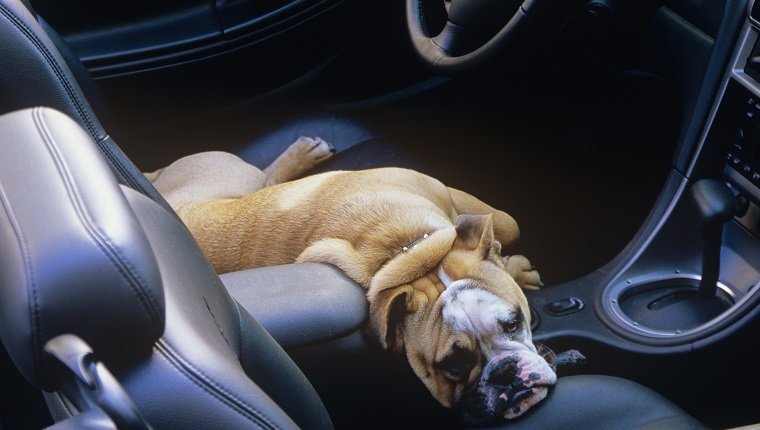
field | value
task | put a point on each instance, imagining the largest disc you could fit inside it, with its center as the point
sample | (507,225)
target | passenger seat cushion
(596,402)
(357,147)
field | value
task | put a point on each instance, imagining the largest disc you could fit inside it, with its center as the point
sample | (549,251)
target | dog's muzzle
(509,385)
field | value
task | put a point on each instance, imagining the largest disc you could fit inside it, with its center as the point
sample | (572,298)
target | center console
(691,277)
(656,297)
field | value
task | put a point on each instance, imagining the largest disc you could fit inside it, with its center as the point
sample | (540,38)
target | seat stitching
(53,63)
(74,98)
(212,387)
(114,162)
(31,285)
(111,251)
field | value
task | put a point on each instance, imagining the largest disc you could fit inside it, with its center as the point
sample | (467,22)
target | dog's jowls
(440,292)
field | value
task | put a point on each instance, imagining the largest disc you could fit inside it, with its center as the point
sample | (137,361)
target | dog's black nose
(504,372)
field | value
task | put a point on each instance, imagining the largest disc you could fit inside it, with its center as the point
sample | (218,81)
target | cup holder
(668,306)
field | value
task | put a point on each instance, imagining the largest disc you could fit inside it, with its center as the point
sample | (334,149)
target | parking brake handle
(91,387)
(715,205)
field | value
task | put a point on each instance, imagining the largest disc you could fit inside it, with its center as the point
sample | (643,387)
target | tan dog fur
(422,250)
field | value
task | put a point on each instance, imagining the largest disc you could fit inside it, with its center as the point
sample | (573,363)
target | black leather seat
(91,249)
(356,146)
(102,261)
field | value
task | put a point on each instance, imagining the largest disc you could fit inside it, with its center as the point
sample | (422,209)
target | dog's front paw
(523,272)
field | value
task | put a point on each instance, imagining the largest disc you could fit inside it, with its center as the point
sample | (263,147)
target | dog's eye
(511,326)
(457,365)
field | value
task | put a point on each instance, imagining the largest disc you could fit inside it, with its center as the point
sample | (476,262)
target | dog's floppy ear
(390,292)
(387,310)
(474,232)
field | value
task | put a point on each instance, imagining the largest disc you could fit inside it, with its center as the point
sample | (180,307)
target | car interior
(622,135)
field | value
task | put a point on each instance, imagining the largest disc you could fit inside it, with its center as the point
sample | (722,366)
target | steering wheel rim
(436,50)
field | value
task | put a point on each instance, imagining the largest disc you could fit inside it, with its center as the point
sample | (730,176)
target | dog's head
(464,326)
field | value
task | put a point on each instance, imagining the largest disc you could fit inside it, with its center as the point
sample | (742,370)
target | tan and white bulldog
(429,256)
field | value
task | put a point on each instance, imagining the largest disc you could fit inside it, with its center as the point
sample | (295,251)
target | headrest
(73,257)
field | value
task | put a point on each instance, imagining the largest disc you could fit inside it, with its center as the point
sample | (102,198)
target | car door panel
(157,62)
(124,39)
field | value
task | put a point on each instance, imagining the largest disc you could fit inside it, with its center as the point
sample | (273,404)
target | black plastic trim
(119,62)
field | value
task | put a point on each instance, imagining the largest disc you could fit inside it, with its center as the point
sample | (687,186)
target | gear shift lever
(715,205)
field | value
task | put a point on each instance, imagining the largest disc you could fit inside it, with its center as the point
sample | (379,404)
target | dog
(440,293)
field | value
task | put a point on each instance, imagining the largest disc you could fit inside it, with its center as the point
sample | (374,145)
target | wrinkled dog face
(492,334)
(465,330)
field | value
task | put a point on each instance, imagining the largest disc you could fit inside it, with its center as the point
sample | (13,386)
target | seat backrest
(84,255)
(36,72)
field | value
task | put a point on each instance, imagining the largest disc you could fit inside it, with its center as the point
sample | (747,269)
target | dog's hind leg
(206,176)
(505,227)
(302,155)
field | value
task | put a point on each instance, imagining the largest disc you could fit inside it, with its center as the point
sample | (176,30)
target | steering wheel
(458,46)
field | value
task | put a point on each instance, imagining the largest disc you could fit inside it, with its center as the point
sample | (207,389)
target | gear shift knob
(715,205)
